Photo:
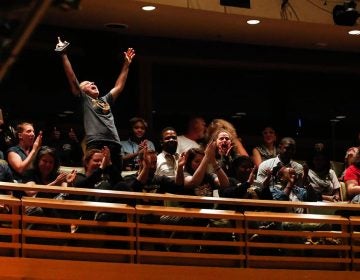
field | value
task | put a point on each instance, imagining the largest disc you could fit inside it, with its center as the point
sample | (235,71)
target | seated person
(282,175)
(198,180)
(67,146)
(45,171)
(321,178)
(146,180)
(242,183)
(21,156)
(131,148)
(5,176)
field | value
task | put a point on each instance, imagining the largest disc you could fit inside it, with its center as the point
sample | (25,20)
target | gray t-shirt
(99,121)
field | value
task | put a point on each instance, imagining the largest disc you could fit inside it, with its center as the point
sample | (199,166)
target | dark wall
(281,87)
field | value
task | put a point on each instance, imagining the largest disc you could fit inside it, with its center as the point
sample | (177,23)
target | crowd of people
(206,160)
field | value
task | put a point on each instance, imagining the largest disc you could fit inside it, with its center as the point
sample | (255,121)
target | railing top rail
(78,205)
(183,198)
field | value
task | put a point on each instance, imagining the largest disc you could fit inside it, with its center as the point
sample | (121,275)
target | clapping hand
(107,157)
(182,160)
(70,177)
(142,146)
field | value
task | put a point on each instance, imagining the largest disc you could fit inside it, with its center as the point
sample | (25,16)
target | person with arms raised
(99,124)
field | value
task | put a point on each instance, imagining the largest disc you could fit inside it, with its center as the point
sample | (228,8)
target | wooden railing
(146,234)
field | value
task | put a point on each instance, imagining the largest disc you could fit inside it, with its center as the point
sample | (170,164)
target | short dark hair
(134,120)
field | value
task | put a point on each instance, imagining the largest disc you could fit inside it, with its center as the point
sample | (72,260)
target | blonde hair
(217,124)
(83,84)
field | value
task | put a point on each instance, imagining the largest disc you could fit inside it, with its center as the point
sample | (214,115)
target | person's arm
(20,165)
(239,148)
(69,72)
(256,157)
(335,197)
(140,149)
(222,179)
(289,175)
(352,188)
(179,178)
(121,80)
(199,174)
(143,174)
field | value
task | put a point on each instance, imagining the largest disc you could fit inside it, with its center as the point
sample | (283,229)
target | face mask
(170,147)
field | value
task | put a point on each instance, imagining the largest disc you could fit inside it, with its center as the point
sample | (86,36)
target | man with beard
(167,159)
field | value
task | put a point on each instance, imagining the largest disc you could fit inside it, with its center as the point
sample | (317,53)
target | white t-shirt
(185,144)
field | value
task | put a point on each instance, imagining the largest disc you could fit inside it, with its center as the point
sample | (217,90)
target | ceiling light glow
(148,8)
(354,32)
(253,21)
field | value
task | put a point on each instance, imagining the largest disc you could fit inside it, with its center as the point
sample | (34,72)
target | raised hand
(210,152)
(145,159)
(252,175)
(182,160)
(61,45)
(107,157)
(266,182)
(61,178)
(305,177)
(229,150)
(70,177)
(38,142)
(129,55)
(143,144)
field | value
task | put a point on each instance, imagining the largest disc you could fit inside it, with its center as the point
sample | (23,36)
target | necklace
(270,152)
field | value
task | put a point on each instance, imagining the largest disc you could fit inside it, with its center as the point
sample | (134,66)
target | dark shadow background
(295,91)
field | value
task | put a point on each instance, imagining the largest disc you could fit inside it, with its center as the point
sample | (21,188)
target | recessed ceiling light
(334,120)
(240,113)
(148,8)
(253,21)
(321,44)
(61,115)
(68,112)
(340,117)
(116,25)
(354,32)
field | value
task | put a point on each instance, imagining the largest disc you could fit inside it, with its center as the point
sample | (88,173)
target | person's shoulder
(151,145)
(296,164)
(161,155)
(269,161)
(125,142)
(17,150)
(181,137)
(332,173)
(352,168)
(13,149)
